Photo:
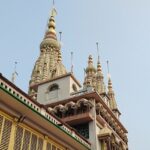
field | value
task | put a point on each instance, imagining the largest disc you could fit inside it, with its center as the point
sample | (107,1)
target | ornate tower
(91,110)
(49,64)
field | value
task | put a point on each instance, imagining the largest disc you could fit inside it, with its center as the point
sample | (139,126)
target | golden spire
(100,87)
(51,32)
(99,70)
(90,73)
(111,95)
(90,67)
(50,37)
(59,68)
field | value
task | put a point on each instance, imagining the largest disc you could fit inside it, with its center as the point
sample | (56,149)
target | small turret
(90,78)
(100,87)
(90,68)
(60,68)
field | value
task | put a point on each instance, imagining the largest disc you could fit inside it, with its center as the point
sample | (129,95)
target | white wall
(65,88)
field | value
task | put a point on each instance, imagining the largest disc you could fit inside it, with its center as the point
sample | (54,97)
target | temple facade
(59,113)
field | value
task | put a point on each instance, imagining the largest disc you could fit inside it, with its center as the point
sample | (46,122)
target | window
(82,129)
(53,87)
(74,87)
(53,147)
(5,137)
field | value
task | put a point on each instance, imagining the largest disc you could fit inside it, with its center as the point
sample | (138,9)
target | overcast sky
(122,27)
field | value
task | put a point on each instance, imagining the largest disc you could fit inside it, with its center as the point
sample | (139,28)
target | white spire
(14,74)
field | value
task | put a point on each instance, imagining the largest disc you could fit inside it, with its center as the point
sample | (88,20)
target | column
(12,134)
(45,142)
(109,144)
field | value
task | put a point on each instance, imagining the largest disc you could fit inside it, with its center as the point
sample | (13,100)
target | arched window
(53,87)
(74,87)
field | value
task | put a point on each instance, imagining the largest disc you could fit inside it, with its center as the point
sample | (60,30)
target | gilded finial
(51,32)
(53,12)
(90,66)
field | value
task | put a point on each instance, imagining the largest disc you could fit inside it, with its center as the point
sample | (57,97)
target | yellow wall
(18,136)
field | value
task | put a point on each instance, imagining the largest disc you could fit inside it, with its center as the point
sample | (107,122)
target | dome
(90,67)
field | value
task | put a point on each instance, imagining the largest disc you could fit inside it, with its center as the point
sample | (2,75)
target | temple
(59,113)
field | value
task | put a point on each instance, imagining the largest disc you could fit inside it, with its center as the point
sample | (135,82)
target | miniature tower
(90,78)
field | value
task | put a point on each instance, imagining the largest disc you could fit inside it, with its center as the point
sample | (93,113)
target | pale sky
(122,27)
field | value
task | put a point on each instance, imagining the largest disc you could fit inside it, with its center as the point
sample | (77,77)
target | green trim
(17,98)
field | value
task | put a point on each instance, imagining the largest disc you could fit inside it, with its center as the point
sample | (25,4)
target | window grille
(40,144)
(26,140)
(53,147)
(5,135)
(1,121)
(18,138)
(33,142)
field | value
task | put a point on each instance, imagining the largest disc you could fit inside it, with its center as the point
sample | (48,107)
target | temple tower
(92,110)
(49,64)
